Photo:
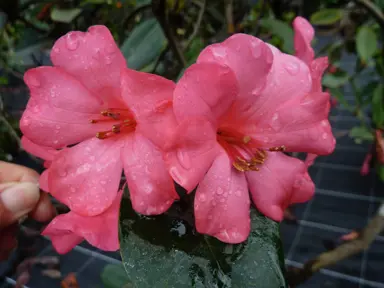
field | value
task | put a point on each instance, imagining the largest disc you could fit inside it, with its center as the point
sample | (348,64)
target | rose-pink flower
(118,118)
(242,103)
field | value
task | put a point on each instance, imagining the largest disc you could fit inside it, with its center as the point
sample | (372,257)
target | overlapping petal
(86,177)
(59,110)
(222,203)
(191,152)
(281,181)
(151,188)
(303,37)
(150,97)
(205,90)
(68,230)
(94,59)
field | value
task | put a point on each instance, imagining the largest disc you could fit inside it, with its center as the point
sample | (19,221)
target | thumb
(16,201)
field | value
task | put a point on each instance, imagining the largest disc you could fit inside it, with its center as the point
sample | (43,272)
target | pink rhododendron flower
(304,34)
(241,105)
(118,118)
(366,164)
(68,230)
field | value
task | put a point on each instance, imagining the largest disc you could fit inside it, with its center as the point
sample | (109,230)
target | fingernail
(20,198)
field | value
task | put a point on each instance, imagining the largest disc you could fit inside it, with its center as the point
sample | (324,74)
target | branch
(373,9)
(197,24)
(159,8)
(345,250)
(229,16)
(10,129)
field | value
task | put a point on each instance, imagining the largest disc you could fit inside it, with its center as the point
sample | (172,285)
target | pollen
(121,120)
(246,154)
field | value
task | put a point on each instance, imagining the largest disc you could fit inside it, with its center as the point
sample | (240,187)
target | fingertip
(44,210)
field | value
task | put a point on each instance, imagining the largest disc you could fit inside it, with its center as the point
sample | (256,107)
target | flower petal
(59,110)
(191,152)
(248,57)
(318,67)
(301,125)
(43,181)
(86,177)
(94,58)
(281,181)
(222,203)
(43,152)
(289,80)
(205,90)
(150,99)
(304,34)
(150,186)
(68,230)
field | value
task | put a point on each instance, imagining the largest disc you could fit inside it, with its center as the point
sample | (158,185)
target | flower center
(243,150)
(122,119)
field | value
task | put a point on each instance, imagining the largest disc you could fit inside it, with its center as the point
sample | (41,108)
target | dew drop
(219,52)
(219,191)
(72,189)
(26,121)
(55,141)
(56,49)
(238,193)
(292,68)
(108,60)
(72,41)
(324,136)
(103,182)
(202,198)
(62,172)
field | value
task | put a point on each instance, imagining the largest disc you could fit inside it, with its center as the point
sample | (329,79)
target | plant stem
(198,23)
(374,10)
(345,250)
(159,8)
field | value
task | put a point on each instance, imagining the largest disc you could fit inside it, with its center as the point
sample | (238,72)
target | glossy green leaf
(144,44)
(380,171)
(378,106)
(336,93)
(114,276)
(326,17)
(166,251)
(335,80)
(281,30)
(64,15)
(366,43)
(361,133)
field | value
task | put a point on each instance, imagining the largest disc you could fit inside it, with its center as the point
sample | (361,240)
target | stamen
(102,135)
(246,139)
(277,149)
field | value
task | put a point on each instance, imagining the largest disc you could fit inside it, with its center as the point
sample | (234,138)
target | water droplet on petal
(55,141)
(56,49)
(324,136)
(238,193)
(219,52)
(72,189)
(26,121)
(292,68)
(103,182)
(62,172)
(219,191)
(72,41)
(202,198)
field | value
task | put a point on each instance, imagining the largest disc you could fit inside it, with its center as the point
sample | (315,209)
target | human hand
(19,196)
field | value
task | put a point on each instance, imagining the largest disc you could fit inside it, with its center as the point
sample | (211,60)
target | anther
(277,149)
(246,139)
(102,135)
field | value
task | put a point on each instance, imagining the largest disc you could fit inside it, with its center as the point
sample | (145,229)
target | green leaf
(380,171)
(366,43)
(114,276)
(378,106)
(64,15)
(166,251)
(367,92)
(144,44)
(326,17)
(335,80)
(360,133)
(335,92)
(280,29)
